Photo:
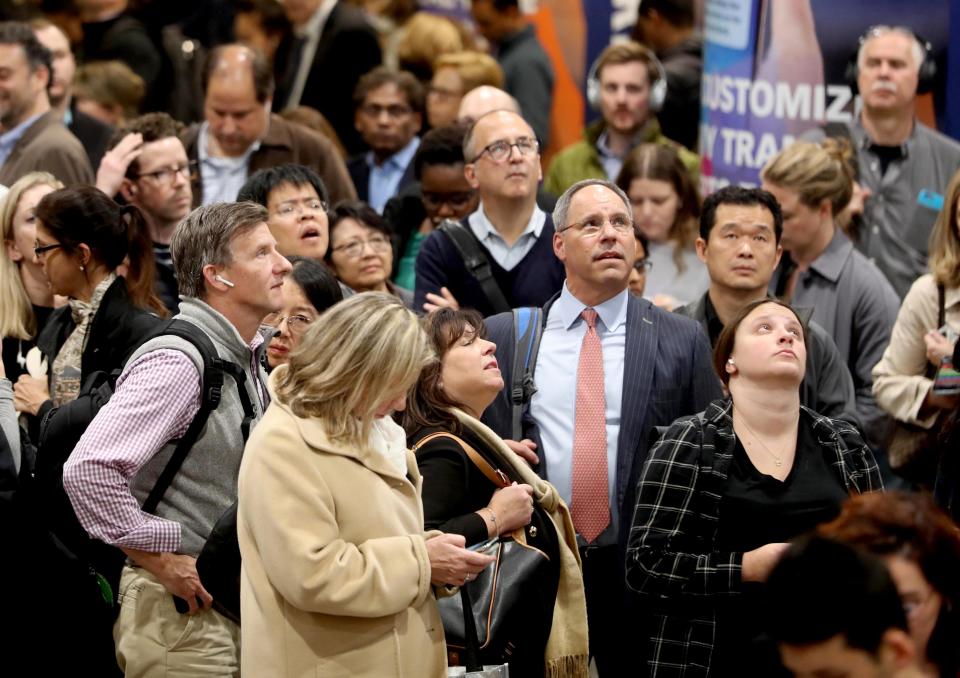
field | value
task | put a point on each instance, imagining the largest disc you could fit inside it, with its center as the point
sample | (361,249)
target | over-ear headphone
(658,88)
(221,279)
(928,67)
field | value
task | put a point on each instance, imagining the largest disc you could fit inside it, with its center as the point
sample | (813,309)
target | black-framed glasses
(456,199)
(169,174)
(353,249)
(642,266)
(394,110)
(39,249)
(500,150)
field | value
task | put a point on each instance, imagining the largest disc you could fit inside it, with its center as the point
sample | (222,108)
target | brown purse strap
(495,476)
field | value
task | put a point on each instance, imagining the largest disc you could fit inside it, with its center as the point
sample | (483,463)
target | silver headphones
(658,88)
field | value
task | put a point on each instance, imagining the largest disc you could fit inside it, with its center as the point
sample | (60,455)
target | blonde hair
(817,172)
(17,319)
(360,352)
(474,68)
(944,241)
(426,36)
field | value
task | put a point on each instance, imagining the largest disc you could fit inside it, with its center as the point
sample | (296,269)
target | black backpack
(97,563)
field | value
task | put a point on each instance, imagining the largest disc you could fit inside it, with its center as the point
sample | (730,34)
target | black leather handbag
(504,598)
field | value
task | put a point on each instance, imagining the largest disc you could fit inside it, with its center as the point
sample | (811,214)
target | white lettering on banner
(740,147)
(760,99)
(623,15)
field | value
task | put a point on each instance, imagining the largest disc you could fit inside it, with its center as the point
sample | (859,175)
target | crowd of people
(319,360)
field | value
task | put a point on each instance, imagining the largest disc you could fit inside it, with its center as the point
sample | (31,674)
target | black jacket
(116,330)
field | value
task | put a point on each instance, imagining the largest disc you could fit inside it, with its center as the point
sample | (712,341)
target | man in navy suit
(655,367)
(389,115)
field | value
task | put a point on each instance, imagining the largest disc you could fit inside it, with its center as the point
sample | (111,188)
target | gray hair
(204,237)
(562,208)
(469,153)
(917,48)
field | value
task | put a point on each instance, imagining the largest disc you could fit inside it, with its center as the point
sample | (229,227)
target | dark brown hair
(910,525)
(152,127)
(724,347)
(427,403)
(85,215)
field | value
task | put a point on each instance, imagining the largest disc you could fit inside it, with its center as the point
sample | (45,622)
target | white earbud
(220,278)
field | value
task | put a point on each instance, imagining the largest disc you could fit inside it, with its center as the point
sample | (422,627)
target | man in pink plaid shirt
(230,276)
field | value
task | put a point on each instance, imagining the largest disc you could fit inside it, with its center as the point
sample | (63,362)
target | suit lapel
(638,368)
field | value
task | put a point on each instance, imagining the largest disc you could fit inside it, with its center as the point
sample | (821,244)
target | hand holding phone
(485,546)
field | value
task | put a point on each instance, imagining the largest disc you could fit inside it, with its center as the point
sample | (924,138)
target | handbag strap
(931,372)
(495,476)
(471,650)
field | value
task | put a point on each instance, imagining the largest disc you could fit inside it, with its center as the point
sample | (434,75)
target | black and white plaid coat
(671,559)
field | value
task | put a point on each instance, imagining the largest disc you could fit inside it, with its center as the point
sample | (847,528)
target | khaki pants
(153,640)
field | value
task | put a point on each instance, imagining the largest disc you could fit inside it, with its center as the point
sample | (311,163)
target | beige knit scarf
(567,649)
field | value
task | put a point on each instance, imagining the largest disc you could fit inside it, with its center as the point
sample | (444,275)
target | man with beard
(389,113)
(147,165)
(904,165)
(33,137)
(625,79)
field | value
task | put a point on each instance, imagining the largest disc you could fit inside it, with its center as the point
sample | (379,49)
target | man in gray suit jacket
(655,366)
(33,137)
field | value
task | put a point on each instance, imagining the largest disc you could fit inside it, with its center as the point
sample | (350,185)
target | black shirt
(758,509)
(15,350)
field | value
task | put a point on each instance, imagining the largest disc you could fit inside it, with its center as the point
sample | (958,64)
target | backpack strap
(495,476)
(527,331)
(214,368)
(476,262)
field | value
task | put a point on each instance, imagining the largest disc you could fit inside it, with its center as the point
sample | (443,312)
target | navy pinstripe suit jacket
(667,373)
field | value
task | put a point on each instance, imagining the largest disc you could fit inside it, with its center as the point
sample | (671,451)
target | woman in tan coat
(337,572)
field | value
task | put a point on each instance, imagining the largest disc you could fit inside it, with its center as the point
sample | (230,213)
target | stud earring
(82,268)
(730,361)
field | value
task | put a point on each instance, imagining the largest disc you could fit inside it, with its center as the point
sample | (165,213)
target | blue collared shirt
(222,177)
(553,406)
(9,139)
(612,164)
(508,256)
(385,178)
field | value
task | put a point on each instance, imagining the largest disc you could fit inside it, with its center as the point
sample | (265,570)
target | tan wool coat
(336,578)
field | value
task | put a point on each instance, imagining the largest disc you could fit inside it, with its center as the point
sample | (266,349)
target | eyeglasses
(592,226)
(456,200)
(298,207)
(500,150)
(353,249)
(394,110)
(641,266)
(297,324)
(39,249)
(169,174)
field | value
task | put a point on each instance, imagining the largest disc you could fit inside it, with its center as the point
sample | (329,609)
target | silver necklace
(777,459)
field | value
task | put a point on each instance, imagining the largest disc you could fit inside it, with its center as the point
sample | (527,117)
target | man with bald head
(904,165)
(509,233)
(610,367)
(485,99)
(239,135)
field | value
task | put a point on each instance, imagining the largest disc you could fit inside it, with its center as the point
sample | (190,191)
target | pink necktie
(590,506)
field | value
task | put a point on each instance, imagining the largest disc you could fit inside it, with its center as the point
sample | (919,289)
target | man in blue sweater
(515,236)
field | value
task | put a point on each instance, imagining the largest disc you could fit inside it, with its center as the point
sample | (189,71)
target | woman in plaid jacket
(722,493)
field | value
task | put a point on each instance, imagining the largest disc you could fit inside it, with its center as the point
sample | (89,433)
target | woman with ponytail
(823,271)
(84,241)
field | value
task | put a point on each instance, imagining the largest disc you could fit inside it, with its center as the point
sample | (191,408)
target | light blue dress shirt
(9,139)
(222,177)
(612,163)
(508,256)
(385,179)
(553,406)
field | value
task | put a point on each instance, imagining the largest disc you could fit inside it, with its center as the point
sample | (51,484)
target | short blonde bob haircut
(361,352)
(474,68)
(945,241)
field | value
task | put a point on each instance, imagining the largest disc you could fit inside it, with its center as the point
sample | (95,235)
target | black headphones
(928,68)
